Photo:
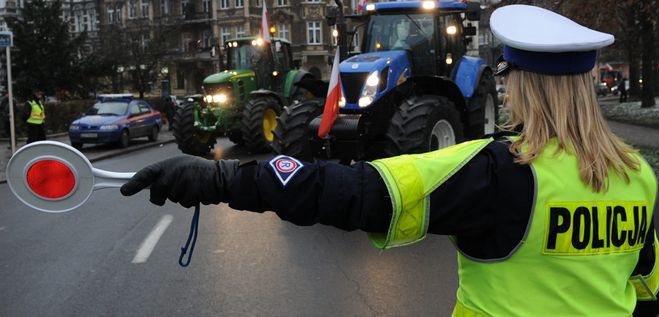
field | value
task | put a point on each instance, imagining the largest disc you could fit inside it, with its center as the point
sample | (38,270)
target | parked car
(602,89)
(116,118)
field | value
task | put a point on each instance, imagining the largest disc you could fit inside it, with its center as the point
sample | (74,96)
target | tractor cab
(433,39)
(269,62)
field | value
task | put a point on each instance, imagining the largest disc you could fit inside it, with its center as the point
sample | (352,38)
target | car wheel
(154,134)
(76,145)
(124,139)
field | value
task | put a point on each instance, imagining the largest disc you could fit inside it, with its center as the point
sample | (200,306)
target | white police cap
(542,41)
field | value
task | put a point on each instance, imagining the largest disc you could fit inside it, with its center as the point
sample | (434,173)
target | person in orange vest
(34,115)
(553,220)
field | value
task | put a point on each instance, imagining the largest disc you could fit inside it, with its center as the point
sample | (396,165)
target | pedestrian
(34,115)
(553,221)
(622,89)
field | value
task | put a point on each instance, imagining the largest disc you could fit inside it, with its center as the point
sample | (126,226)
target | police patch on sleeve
(285,167)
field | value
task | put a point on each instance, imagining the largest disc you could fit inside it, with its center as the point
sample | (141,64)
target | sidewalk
(91,151)
(632,133)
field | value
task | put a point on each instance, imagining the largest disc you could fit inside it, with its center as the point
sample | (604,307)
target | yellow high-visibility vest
(579,250)
(37,114)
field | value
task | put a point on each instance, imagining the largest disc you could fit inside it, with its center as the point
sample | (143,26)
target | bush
(60,115)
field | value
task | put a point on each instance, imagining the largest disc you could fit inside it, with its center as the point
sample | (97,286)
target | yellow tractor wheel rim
(269,124)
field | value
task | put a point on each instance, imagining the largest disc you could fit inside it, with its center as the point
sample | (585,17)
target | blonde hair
(566,107)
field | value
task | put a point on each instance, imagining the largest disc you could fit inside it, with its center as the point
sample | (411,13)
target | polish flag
(265,25)
(332,101)
(360,5)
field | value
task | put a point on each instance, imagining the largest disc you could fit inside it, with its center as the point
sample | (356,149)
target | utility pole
(6,40)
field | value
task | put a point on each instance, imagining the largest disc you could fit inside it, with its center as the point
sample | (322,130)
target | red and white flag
(332,101)
(265,25)
(360,5)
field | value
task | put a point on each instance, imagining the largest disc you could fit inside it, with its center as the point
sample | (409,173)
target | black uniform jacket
(486,205)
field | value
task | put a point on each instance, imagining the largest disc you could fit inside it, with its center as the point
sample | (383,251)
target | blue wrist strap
(194,228)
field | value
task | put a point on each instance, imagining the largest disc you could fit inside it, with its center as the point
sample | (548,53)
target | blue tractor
(412,89)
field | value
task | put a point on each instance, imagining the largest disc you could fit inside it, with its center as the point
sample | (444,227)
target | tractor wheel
(484,120)
(259,120)
(423,124)
(187,138)
(292,134)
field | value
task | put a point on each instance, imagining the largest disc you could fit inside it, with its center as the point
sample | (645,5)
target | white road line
(151,240)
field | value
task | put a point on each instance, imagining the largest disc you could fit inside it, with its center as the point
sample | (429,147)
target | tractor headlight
(217,98)
(373,79)
(370,89)
(342,102)
(365,101)
(220,98)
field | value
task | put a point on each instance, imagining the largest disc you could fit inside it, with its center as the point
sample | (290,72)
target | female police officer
(556,221)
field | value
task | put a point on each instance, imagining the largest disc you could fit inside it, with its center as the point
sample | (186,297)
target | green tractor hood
(228,75)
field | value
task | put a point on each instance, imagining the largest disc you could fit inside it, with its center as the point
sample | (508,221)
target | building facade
(199,29)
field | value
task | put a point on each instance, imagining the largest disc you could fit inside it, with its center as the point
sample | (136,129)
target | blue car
(115,118)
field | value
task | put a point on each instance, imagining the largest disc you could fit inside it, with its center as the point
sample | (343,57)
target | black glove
(185,179)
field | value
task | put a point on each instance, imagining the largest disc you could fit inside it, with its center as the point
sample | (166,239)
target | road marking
(151,240)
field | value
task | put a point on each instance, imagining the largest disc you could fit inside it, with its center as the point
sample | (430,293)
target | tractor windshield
(244,56)
(400,32)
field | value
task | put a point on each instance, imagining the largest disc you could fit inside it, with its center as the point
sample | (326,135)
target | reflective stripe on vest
(37,115)
(647,285)
(410,179)
(580,249)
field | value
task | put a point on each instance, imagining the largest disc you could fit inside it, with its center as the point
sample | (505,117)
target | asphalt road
(95,261)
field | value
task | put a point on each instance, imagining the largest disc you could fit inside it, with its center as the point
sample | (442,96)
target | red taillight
(51,179)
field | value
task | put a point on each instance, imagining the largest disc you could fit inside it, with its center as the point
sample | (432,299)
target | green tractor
(243,101)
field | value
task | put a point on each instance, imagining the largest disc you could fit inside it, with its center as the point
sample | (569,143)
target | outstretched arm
(346,197)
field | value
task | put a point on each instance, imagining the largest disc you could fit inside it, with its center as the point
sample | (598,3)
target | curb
(48,136)
(120,152)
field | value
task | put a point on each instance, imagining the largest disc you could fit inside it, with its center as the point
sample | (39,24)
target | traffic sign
(6,39)
(54,177)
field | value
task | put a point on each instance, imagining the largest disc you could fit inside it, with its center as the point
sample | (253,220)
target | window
(186,39)
(145,8)
(180,80)
(144,41)
(132,9)
(355,42)
(206,6)
(239,3)
(184,4)
(283,31)
(134,108)
(208,39)
(313,33)
(224,4)
(112,15)
(257,3)
(313,0)
(225,35)
(282,3)
(92,22)
(86,23)
(144,108)
(164,7)
(240,31)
